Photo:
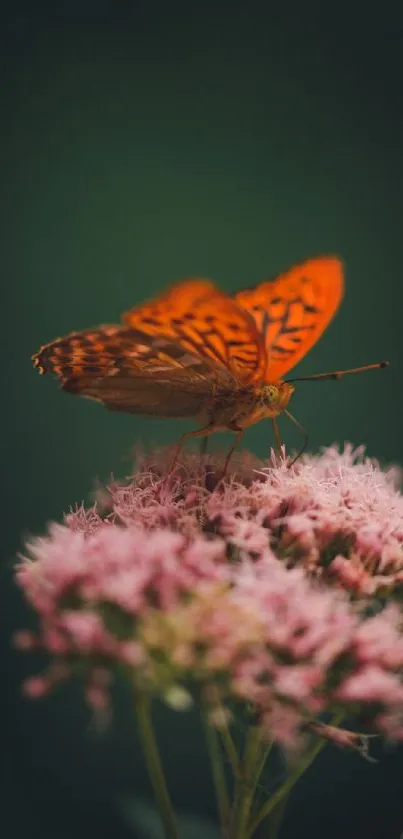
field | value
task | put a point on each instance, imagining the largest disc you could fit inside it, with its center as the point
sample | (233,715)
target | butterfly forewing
(127,370)
(292,310)
(202,320)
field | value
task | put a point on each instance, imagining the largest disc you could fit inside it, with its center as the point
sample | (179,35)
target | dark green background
(142,143)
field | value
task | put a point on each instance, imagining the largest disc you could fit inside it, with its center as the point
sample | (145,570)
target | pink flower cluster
(268,590)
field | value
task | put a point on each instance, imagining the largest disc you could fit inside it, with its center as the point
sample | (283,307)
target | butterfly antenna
(306,437)
(338,374)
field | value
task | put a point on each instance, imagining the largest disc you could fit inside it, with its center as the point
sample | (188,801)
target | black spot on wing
(150,320)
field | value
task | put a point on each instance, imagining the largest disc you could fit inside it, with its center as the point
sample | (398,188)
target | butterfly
(197,352)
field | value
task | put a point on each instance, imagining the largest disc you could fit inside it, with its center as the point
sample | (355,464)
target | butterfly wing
(292,310)
(203,320)
(126,370)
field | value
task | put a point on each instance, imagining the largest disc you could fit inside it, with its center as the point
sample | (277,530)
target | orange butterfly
(197,352)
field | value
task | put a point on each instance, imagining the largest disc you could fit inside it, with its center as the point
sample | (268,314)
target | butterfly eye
(277,395)
(272,394)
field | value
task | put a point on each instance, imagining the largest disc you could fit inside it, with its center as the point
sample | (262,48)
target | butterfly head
(276,396)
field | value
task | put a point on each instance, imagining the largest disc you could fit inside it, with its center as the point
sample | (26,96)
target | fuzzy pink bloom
(36,686)
(260,590)
(372,684)
(24,640)
(284,722)
(379,639)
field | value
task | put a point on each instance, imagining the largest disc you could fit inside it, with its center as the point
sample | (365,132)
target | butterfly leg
(239,434)
(306,438)
(201,432)
(203,446)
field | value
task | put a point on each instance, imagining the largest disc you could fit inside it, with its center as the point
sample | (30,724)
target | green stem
(261,763)
(155,771)
(220,783)
(230,749)
(227,741)
(246,783)
(276,819)
(292,779)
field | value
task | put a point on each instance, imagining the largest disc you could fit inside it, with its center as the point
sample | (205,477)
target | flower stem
(220,783)
(288,784)
(246,784)
(261,763)
(230,749)
(155,771)
(286,787)
(275,820)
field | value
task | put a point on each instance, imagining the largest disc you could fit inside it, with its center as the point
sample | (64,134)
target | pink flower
(379,639)
(285,721)
(297,681)
(372,684)
(36,687)
(268,591)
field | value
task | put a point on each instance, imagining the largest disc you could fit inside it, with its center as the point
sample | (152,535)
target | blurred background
(141,143)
